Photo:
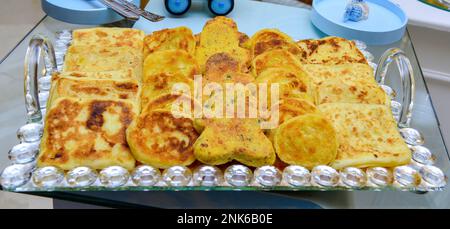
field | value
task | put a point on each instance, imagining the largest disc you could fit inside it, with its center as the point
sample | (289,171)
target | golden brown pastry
(289,108)
(291,83)
(86,87)
(221,35)
(113,75)
(87,132)
(180,38)
(224,140)
(86,58)
(277,58)
(109,37)
(272,39)
(330,51)
(367,135)
(345,83)
(308,140)
(169,62)
(160,139)
(164,84)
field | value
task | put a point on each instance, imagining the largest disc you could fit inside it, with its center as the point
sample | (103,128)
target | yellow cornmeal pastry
(87,132)
(224,140)
(221,35)
(220,64)
(367,135)
(308,140)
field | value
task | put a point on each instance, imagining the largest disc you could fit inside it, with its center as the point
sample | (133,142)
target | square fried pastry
(344,90)
(87,132)
(109,37)
(95,88)
(354,71)
(97,58)
(330,51)
(345,83)
(367,136)
(113,75)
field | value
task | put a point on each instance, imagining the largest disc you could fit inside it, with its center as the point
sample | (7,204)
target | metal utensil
(130,11)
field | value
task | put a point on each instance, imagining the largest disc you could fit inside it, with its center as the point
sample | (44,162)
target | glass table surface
(13,116)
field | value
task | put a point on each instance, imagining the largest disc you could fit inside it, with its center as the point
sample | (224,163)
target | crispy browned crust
(219,64)
(87,132)
(164,84)
(109,37)
(272,39)
(112,75)
(95,88)
(180,38)
(330,50)
(159,139)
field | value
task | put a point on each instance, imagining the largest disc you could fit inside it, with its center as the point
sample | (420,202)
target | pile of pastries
(111,104)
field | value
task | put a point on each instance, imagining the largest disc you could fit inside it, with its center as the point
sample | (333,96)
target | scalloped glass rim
(220,188)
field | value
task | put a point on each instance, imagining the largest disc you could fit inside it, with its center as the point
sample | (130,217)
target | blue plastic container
(386,23)
(86,12)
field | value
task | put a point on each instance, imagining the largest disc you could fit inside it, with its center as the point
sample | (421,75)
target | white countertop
(421,14)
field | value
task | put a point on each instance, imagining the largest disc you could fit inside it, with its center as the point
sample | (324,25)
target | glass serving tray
(45,57)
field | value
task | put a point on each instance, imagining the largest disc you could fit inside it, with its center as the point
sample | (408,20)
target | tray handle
(39,45)
(407,81)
